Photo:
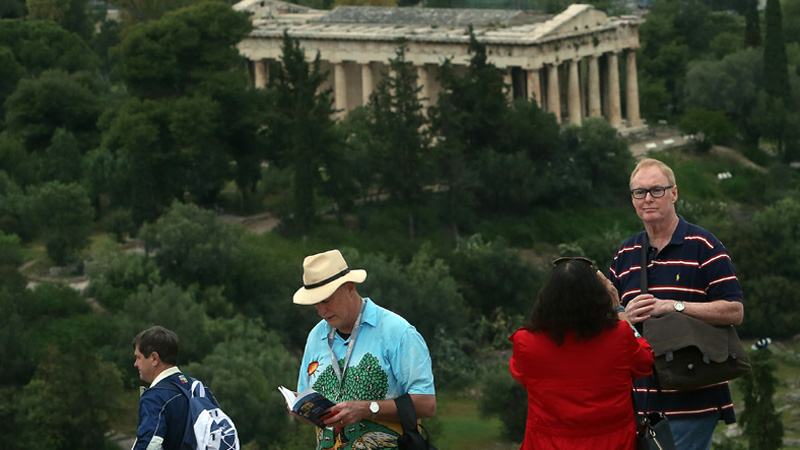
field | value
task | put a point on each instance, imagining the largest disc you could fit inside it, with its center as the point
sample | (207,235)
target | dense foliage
(124,152)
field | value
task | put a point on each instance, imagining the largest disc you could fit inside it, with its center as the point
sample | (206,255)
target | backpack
(208,427)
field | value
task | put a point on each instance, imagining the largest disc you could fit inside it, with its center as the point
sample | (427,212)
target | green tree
(21,168)
(752,30)
(709,127)
(12,9)
(15,210)
(762,424)
(776,70)
(62,159)
(71,400)
(146,162)
(602,156)
(505,398)
(167,305)
(102,179)
(72,15)
(192,245)
(301,129)
(54,100)
(184,52)
(10,261)
(133,12)
(407,289)
(467,119)
(242,368)
(533,163)
(400,141)
(36,46)
(64,213)
(189,84)
(771,303)
(116,275)
(731,85)
(512,280)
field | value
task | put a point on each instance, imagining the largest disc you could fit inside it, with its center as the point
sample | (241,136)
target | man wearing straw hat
(380,357)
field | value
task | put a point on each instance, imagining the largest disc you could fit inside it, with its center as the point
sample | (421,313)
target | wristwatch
(374,407)
(679,306)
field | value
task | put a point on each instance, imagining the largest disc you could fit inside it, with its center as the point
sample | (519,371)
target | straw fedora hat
(323,273)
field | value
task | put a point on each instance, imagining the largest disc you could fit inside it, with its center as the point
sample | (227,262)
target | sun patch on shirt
(312,367)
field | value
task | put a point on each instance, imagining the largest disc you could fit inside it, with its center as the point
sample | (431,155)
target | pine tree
(301,128)
(752,29)
(401,141)
(776,66)
(468,119)
(762,425)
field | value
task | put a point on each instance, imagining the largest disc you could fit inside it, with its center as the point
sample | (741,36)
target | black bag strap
(408,416)
(643,289)
(643,272)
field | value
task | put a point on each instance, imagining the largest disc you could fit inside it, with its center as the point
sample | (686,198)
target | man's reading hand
(347,413)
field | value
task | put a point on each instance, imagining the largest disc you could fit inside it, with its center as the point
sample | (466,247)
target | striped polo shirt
(693,267)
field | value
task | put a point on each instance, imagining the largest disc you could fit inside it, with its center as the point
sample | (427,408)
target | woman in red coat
(578,361)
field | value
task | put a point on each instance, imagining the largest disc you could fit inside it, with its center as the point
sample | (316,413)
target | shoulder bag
(653,431)
(690,353)
(411,439)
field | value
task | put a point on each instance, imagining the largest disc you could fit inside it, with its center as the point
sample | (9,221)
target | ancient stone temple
(579,63)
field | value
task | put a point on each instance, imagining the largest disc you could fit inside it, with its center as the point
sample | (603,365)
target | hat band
(327,280)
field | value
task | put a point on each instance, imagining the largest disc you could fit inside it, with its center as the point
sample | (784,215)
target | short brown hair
(160,340)
(647,162)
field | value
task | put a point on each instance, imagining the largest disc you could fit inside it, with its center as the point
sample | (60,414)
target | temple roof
(271,18)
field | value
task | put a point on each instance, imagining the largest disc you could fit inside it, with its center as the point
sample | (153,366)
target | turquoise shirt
(389,359)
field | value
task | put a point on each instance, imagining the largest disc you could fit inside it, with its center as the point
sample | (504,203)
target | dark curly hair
(572,299)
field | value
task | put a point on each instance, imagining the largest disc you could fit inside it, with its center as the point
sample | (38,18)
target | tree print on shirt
(366,381)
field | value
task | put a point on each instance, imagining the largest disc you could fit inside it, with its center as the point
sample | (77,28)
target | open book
(309,404)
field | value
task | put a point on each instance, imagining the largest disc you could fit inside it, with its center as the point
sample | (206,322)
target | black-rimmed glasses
(655,192)
(573,258)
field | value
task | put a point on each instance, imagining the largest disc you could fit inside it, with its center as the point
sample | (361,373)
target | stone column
(367,84)
(553,99)
(508,80)
(260,74)
(632,91)
(574,94)
(614,108)
(594,88)
(424,94)
(340,88)
(534,88)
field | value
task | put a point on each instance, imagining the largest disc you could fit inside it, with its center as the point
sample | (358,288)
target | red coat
(579,393)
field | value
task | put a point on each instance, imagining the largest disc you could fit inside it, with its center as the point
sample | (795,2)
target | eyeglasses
(573,258)
(655,192)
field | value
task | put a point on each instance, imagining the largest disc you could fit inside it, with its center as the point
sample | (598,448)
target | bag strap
(408,416)
(643,271)
(643,290)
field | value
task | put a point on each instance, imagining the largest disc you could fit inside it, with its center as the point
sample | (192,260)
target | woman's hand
(612,291)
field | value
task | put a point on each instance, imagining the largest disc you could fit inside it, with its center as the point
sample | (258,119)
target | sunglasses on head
(573,258)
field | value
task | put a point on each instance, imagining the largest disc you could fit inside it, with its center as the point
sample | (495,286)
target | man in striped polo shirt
(689,271)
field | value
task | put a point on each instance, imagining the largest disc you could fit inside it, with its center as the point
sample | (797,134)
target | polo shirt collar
(171,371)
(679,235)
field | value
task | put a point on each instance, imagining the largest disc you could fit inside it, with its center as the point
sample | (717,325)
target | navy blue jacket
(163,412)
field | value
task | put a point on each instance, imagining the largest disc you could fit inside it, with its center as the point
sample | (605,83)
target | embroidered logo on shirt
(677,277)
(183,379)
